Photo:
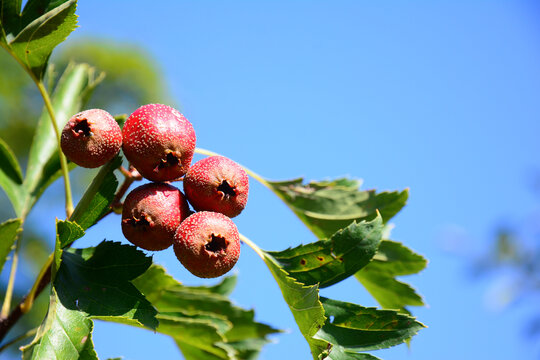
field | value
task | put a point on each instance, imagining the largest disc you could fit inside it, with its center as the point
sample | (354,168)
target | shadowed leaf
(8,233)
(97,281)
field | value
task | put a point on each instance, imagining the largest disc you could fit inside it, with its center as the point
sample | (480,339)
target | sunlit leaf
(97,281)
(327,262)
(9,230)
(303,301)
(68,232)
(64,334)
(34,44)
(328,206)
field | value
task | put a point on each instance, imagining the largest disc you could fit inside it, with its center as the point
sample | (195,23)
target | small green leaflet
(328,206)
(9,230)
(202,320)
(378,277)
(34,44)
(327,262)
(68,232)
(99,195)
(352,328)
(97,282)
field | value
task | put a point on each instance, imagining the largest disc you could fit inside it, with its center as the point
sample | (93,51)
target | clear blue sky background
(440,97)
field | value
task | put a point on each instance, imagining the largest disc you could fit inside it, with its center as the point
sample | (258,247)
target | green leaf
(9,230)
(73,88)
(68,232)
(34,43)
(352,328)
(99,195)
(327,262)
(10,174)
(328,206)
(303,301)
(97,281)
(378,277)
(9,16)
(202,320)
(64,334)
(9,164)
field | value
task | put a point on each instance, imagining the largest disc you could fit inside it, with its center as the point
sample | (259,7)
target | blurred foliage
(514,262)
(132,79)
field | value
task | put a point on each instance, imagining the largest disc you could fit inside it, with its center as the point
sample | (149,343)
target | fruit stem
(63,161)
(11,283)
(253,174)
(252,245)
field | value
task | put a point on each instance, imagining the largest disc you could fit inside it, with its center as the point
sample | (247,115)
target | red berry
(218,184)
(159,142)
(151,215)
(207,244)
(91,138)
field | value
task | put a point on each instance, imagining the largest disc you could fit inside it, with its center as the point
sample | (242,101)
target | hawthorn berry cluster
(159,142)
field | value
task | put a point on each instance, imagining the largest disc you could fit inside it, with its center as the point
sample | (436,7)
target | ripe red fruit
(159,142)
(207,244)
(91,138)
(218,184)
(151,215)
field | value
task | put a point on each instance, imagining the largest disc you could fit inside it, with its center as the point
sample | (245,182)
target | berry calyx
(218,184)
(159,142)
(207,244)
(91,138)
(152,213)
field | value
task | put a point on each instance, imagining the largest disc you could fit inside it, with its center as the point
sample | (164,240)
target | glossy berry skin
(217,184)
(91,138)
(152,213)
(159,142)
(207,244)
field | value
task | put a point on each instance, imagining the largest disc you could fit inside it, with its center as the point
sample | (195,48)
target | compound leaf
(202,320)
(328,206)
(327,262)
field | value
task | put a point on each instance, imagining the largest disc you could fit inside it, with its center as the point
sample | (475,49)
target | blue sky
(440,97)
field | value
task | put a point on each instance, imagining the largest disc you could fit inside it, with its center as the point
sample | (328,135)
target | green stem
(253,174)
(252,245)
(46,99)
(29,301)
(63,161)
(27,334)
(11,283)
